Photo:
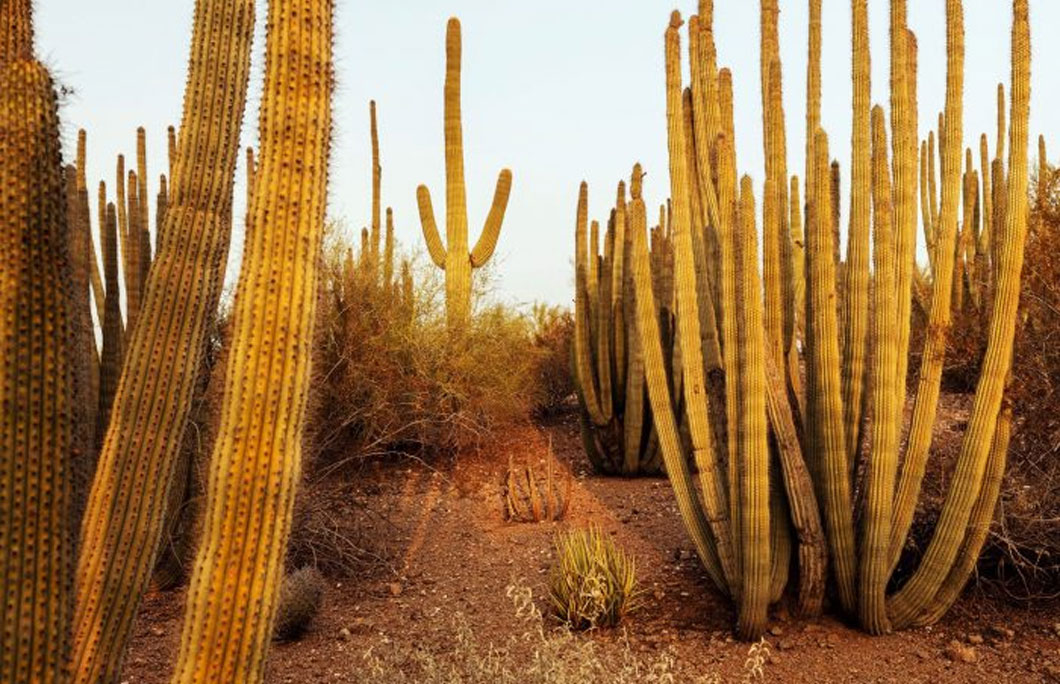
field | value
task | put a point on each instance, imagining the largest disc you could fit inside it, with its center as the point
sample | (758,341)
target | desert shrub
(593,582)
(1025,544)
(1023,550)
(390,379)
(300,597)
(537,656)
(553,332)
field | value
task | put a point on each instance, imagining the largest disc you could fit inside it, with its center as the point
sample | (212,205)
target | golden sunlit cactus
(702,258)
(256,459)
(112,354)
(37,355)
(454,256)
(123,522)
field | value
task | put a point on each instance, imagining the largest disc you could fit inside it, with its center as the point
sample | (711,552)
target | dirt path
(452,553)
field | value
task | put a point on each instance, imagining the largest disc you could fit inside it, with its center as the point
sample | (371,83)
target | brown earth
(448,551)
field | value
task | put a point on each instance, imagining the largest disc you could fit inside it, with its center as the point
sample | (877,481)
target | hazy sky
(557,90)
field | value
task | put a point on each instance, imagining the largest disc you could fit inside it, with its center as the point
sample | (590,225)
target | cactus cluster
(777,365)
(529,499)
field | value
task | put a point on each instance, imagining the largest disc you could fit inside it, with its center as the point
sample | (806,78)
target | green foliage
(593,582)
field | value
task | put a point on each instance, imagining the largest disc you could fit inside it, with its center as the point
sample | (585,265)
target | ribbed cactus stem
(112,355)
(972,461)
(377,180)
(825,399)
(677,467)
(36,376)
(856,268)
(688,319)
(813,92)
(144,197)
(82,189)
(774,210)
(887,400)
(256,460)
(752,431)
(123,523)
(904,159)
(454,257)
(388,254)
(16,31)
(928,382)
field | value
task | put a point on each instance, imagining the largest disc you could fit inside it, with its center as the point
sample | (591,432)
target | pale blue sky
(557,90)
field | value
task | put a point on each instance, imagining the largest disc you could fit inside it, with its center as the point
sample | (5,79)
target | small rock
(1001,632)
(344,634)
(785,644)
(922,654)
(975,639)
(157,631)
(395,589)
(776,630)
(1056,628)
(958,652)
(659,594)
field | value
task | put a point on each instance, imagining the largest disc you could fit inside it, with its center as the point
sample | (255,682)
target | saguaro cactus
(454,256)
(257,456)
(123,522)
(36,374)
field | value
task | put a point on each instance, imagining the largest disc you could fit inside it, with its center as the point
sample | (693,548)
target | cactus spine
(123,522)
(36,373)
(256,460)
(454,256)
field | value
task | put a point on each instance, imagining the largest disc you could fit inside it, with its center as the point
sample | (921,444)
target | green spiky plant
(756,482)
(37,326)
(454,256)
(256,461)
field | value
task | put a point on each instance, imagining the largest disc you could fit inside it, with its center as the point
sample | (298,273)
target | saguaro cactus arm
(491,231)
(435,247)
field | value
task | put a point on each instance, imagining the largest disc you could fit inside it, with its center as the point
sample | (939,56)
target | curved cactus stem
(913,598)
(662,409)
(430,228)
(928,382)
(491,231)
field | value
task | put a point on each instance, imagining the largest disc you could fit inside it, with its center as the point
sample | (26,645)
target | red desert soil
(449,551)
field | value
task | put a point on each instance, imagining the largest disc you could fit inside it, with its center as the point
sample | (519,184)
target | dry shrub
(391,380)
(1023,550)
(553,333)
(301,594)
(537,656)
(1025,544)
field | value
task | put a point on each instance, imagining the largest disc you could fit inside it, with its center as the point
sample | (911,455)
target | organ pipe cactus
(736,519)
(256,459)
(123,522)
(606,356)
(454,256)
(36,372)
